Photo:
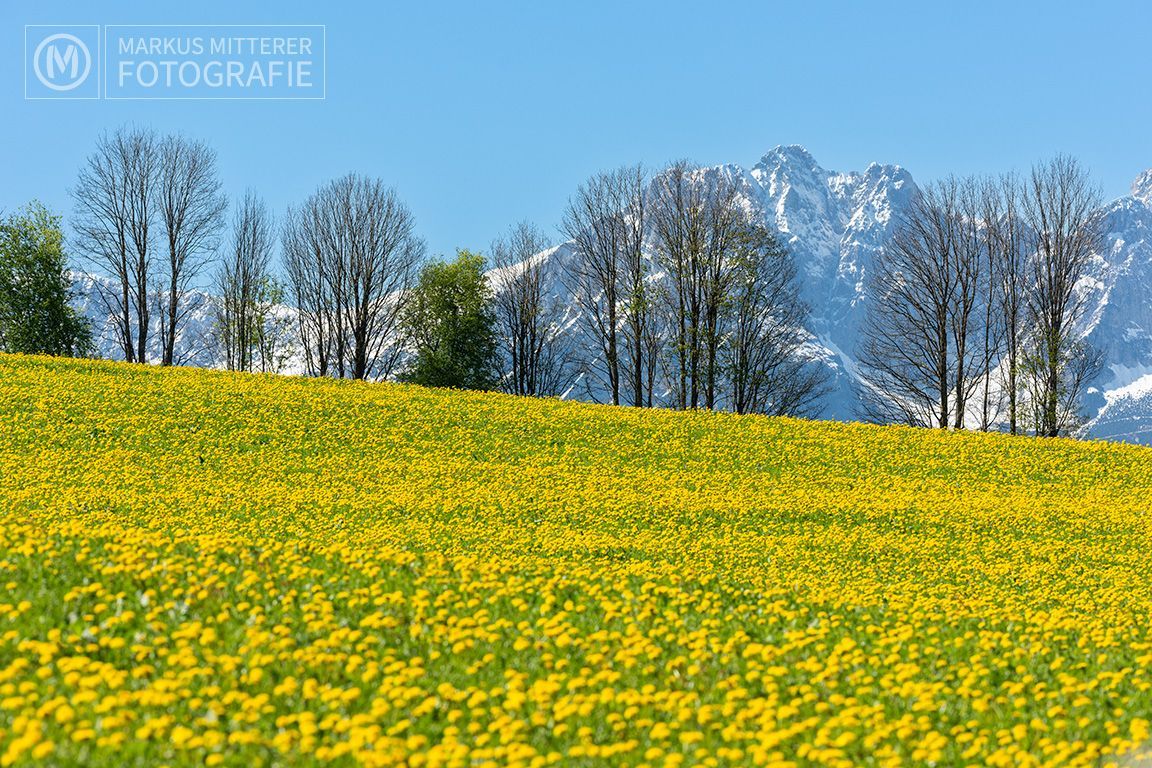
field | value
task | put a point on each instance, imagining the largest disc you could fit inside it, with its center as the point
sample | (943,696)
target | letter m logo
(58,63)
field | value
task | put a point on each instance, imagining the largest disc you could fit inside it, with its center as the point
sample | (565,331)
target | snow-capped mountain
(1121,318)
(835,224)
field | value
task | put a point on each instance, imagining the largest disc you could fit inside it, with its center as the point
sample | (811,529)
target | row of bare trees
(721,325)
(685,300)
(681,297)
(977,308)
(151,218)
(149,215)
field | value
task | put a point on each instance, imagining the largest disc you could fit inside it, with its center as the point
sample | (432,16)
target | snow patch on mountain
(196,334)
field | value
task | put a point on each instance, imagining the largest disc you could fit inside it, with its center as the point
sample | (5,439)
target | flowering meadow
(204,568)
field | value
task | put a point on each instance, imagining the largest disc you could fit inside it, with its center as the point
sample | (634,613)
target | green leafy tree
(35,314)
(273,331)
(450,323)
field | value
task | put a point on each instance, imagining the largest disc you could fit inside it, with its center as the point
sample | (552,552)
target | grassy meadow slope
(212,568)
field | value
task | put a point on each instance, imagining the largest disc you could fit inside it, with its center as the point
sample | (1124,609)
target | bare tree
(241,281)
(678,240)
(351,254)
(306,265)
(962,196)
(980,278)
(1060,207)
(1014,247)
(114,196)
(725,222)
(592,221)
(191,207)
(762,350)
(611,278)
(638,296)
(1005,248)
(907,353)
(528,314)
(696,222)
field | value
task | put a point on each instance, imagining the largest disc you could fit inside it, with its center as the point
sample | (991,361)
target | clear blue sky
(485,113)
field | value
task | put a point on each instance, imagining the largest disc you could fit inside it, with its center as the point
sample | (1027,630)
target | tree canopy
(451,326)
(35,314)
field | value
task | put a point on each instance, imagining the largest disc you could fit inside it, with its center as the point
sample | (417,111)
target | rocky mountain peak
(1142,187)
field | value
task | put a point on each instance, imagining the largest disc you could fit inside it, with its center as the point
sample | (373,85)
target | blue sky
(483,114)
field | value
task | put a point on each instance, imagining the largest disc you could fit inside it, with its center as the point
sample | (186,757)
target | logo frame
(37,86)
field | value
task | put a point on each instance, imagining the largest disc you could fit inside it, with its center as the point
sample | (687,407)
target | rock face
(835,224)
(1121,319)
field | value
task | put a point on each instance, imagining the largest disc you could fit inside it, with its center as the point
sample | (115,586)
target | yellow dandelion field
(203,568)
